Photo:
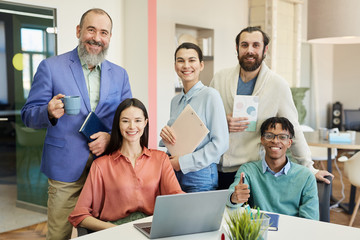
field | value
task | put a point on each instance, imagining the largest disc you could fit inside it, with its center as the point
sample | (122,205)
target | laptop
(181,214)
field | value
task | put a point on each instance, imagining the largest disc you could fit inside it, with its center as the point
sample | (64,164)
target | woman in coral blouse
(123,184)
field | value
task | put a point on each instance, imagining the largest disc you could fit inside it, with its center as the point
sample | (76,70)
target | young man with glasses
(274,183)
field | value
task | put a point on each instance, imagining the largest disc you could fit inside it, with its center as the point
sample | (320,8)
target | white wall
(227,18)
(322,82)
(128,46)
(136,47)
(68,17)
(346,85)
(335,76)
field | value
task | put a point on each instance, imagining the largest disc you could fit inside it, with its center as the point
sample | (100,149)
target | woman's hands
(167,134)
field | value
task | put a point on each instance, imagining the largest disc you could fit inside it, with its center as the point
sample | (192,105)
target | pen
(246,205)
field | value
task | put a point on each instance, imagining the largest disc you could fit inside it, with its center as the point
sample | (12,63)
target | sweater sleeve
(236,182)
(299,149)
(309,203)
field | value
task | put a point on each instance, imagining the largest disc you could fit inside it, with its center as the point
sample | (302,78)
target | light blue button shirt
(283,171)
(208,105)
(92,79)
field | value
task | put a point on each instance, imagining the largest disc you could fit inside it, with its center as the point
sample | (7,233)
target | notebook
(189,130)
(274,221)
(91,125)
(188,213)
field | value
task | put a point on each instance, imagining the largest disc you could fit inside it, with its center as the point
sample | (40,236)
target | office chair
(352,170)
(83,231)
(324,191)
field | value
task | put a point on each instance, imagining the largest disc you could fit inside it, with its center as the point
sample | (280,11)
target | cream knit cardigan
(275,99)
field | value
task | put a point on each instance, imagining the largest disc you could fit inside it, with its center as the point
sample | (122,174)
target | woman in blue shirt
(197,171)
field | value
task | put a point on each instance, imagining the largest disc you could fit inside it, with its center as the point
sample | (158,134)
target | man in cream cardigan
(253,77)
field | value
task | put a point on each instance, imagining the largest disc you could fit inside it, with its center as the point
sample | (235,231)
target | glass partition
(25,40)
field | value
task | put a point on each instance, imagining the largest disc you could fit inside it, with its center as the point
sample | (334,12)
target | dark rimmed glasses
(281,137)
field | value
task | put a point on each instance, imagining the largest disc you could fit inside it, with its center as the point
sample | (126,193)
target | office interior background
(145,36)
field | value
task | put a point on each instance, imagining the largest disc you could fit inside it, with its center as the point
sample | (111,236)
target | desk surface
(289,228)
(313,139)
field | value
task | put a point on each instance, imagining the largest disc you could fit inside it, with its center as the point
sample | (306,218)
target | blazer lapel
(78,75)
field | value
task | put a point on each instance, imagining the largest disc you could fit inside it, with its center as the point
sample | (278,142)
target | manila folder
(189,131)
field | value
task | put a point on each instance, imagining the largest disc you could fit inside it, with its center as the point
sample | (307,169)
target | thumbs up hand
(242,191)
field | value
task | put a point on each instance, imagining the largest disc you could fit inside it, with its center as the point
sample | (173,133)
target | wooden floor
(35,232)
(337,216)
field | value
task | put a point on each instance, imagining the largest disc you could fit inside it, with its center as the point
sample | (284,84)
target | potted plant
(247,224)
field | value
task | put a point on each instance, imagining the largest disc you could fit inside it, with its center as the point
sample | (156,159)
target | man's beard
(92,59)
(250,67)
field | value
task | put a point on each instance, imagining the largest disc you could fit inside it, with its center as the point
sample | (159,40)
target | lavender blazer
(66,151)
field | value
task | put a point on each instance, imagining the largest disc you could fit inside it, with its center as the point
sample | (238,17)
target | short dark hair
(189,45)
(97,11)
(271,123)
(250,29)
(116,139)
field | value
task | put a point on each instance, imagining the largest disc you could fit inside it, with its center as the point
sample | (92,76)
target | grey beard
(91,59)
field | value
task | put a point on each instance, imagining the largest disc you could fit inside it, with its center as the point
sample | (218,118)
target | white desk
(313,139)
(293,228)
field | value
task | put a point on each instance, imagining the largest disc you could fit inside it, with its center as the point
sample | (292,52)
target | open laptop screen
(188,213)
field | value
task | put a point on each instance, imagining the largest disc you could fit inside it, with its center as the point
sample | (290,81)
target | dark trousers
(226,179)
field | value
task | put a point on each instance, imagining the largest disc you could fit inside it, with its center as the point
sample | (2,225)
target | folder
(189,131)
(91,125)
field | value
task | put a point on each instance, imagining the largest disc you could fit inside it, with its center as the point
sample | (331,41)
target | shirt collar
(117,154)
(199,85)
(284,170)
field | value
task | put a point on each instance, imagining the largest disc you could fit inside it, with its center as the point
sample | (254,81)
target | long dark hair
(116,138)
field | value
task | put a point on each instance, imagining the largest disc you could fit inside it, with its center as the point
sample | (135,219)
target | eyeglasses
(281,137)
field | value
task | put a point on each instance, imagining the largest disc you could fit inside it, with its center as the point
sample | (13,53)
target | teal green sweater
(294,194)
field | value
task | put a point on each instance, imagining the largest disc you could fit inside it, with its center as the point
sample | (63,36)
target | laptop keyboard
(147,229)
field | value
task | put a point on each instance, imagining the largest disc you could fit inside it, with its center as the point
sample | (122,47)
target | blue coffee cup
(71,104)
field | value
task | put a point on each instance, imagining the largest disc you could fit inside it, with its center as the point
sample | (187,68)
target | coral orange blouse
(114,188)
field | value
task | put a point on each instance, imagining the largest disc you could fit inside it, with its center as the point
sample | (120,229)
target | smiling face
(132,124)
(94,35)
(275,149)
(188,67)
(251,50)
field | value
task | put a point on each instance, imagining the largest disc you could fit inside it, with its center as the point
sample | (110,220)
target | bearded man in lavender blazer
(102,86)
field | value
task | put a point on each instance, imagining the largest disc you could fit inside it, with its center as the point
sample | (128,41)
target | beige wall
(346,86)
(128,46)
(227,18)
(335,76)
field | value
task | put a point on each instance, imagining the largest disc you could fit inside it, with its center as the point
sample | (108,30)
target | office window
(33,46)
